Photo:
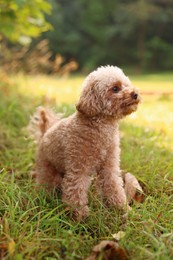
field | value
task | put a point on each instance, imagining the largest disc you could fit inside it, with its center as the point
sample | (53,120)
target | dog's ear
(89,103)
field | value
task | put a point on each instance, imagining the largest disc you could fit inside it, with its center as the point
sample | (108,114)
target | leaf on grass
(139,196)
(7,245)
(108,250)
(3,246)
(118,235)
(11,246)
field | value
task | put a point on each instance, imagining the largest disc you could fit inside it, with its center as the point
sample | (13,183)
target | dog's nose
(134,95)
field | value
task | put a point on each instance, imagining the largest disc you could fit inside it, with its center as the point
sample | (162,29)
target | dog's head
(108,92)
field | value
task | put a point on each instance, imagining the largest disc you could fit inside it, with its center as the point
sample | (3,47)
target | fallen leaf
(118,235)
(11,246)
(7,245)
(108,250)
(139,196)
(3,245)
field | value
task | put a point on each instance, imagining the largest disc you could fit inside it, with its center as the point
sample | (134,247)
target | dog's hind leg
(46,175)
(132,188)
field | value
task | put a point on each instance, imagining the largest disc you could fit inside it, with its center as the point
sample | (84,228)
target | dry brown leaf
(108,250)
(4,245)
(139,197)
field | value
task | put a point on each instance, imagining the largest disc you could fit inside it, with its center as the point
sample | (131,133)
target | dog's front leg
(111,184)
(113,192)
(75,186)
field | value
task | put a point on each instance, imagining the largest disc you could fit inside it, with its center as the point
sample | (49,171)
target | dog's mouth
(131,103)
(130,107)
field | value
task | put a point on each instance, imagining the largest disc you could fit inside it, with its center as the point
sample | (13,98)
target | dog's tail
(41,121)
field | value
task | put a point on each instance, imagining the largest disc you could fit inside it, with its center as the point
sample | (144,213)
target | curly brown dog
(71,149)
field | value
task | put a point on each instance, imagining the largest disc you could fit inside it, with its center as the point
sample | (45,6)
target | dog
(71,149)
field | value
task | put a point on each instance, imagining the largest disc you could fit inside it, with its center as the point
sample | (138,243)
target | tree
(22,19)
(82,30)
(149,20)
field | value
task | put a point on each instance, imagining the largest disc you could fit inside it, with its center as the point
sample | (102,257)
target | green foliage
(21,19)
(160,53)
(125,33)
(113,32)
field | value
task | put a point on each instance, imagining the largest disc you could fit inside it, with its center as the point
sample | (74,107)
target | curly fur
(71,149)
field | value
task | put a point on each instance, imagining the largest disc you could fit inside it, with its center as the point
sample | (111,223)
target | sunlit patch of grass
(34,225)
(67,90)
(154,82)
(157,116)
(58,90)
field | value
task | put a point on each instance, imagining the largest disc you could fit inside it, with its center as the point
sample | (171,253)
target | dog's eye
(115,89)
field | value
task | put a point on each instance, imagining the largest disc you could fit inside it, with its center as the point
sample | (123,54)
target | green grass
(34,225)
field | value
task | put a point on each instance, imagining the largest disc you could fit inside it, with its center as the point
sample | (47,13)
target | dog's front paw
(80,214)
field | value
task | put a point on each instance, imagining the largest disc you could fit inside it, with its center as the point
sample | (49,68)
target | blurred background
(60,36)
